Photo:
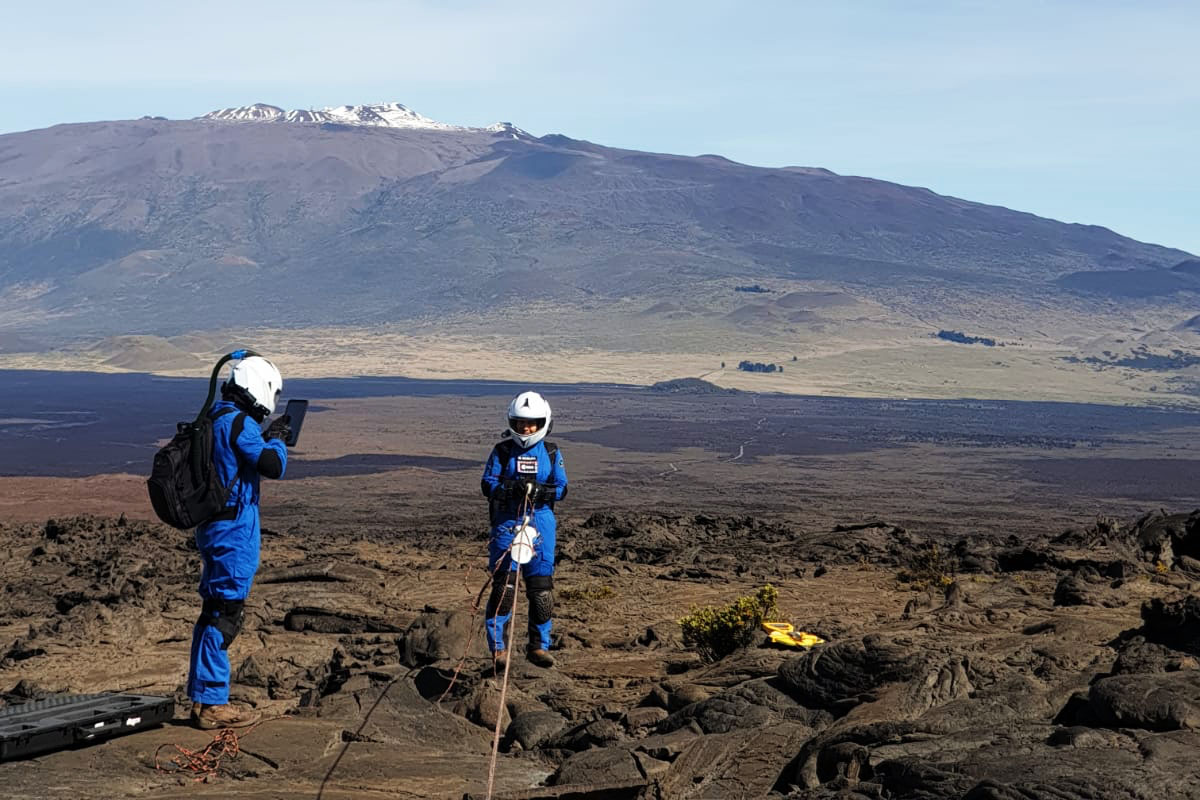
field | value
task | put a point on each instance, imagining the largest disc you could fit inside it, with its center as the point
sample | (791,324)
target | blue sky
(1081,111)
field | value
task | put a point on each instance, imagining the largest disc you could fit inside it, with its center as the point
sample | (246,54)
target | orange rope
(204,763)
(500,708)
(475,608)
(527,511)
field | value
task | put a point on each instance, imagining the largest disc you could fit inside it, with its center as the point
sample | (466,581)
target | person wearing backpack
(524,477)
(242,453)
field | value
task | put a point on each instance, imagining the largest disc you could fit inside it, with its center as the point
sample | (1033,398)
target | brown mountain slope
(157,226)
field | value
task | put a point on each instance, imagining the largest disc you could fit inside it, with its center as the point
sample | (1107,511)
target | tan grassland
(842,345)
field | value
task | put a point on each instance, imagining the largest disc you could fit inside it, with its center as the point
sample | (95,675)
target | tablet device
(295,413)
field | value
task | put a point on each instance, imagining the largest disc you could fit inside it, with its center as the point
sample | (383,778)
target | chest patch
(527,465)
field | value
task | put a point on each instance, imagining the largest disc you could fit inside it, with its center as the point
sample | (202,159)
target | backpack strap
(552,454)
(235,430)
(504,449)
(239,425)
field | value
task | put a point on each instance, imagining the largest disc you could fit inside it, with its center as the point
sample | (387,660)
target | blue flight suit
(229,545)
(527,464)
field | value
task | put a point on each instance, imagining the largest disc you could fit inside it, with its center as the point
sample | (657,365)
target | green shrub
(716,632)
(929,568)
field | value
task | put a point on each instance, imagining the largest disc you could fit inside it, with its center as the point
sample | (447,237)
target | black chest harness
(500,501)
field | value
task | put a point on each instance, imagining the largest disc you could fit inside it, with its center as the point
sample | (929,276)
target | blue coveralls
(520,466)
(228,547)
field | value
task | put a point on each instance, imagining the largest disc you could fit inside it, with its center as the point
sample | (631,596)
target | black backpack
(183,484)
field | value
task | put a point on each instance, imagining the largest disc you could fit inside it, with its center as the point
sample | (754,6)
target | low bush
(929,568)
(715,632)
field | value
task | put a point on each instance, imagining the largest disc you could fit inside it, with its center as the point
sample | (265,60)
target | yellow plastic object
(785,633)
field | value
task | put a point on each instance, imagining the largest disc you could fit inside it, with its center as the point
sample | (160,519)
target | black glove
(510,489)
(543,493)
(280,428)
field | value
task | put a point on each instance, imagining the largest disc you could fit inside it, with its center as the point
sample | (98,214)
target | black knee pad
(226,616)
(504,592)
(541,606)
(534,583)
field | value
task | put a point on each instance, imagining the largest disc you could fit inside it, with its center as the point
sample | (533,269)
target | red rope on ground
(527,513)
(475,607)
(204,763)
(503,690)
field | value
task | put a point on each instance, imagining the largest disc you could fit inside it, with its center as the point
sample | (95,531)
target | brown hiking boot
(499,659)
(210,718)
(540,657)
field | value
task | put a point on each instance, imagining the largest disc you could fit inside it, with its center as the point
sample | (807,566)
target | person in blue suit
(523,478)
(243,452)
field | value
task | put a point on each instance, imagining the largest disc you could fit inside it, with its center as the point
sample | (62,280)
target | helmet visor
(526,426)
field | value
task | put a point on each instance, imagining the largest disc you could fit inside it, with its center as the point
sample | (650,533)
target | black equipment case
(72,719)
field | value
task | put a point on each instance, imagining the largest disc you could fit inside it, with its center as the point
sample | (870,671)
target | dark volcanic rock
(1158,702)
(1156,540)
(1139,656)
(644,717)
(324,620)
(916,779)
(482,706)
(986,689)
(1162,538)
(1082,588)
(593,733)
(741,764)
(1175,624)
(747,664)
(717,715)
(437,636)
(533,728)
(666,746)
(838,676)
(748,705)
(599,766)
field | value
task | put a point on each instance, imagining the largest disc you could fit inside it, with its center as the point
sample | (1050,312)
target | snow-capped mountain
(383,115)
(121,226)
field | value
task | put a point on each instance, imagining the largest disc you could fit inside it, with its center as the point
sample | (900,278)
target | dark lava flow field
(1008,612)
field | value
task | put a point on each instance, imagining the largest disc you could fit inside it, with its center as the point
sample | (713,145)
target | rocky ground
(1059,665)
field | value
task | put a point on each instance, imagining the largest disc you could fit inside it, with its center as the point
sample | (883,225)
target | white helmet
(529,406)
(261,381)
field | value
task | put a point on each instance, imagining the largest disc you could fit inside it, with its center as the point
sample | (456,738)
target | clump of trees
(1141,358)
(756,289)
(758,366)
(962,338)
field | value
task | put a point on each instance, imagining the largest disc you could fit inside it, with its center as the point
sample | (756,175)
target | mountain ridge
(126,227)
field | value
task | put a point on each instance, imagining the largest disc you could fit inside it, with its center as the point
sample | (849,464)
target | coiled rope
(207,762)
